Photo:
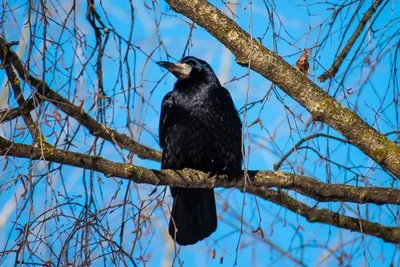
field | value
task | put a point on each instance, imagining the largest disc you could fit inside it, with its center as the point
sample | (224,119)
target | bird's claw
(211,174)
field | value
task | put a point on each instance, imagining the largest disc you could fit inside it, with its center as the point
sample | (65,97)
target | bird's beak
(180,70)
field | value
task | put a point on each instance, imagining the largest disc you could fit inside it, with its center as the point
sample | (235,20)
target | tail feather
(194,216)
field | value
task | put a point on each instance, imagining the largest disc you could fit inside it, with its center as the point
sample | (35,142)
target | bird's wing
(232,147)
(166,118)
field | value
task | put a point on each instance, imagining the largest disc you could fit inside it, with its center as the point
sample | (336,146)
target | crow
(199,129)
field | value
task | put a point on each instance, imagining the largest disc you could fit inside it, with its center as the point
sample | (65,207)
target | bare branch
(342,56)
(298,144)
(10,114)
(15,85)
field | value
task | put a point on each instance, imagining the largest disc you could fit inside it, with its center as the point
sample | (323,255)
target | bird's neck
(196,86)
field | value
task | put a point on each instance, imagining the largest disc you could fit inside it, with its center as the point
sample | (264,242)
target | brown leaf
(45,119)
(302,64)
(49,13)
(259,121)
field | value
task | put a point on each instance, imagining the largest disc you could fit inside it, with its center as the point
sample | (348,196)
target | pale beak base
(179,70)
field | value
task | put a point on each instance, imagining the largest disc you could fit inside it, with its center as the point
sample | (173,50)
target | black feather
(199,129)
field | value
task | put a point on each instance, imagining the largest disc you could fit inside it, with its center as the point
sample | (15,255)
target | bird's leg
(219,174)
(212,174)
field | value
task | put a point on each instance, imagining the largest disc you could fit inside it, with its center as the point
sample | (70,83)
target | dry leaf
(302,64)
(259,121)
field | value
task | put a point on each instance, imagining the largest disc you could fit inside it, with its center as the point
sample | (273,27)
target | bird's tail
(194,216)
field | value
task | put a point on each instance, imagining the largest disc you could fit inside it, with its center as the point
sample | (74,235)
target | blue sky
(306,242)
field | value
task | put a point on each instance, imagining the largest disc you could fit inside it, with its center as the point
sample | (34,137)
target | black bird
(199,129)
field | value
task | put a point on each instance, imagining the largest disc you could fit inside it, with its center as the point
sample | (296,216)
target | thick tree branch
(322,106)
(189,178)
(260,180)
(339,60)
(388,234)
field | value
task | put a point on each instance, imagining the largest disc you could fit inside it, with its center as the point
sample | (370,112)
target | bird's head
(190,68)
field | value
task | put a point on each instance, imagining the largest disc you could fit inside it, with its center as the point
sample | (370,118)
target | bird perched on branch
(199,129)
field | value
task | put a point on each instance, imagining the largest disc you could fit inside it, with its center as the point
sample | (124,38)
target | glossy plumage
(199,129)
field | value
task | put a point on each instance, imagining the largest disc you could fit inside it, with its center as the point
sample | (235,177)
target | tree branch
(298,144)
(321,105)
(95,128)
(388,234)
(19,97)
(12,113)
(260,180)
(339,60)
